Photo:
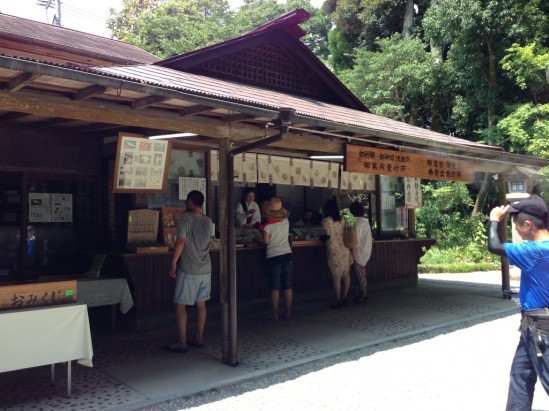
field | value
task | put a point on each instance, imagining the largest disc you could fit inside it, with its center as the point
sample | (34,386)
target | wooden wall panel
(153,289)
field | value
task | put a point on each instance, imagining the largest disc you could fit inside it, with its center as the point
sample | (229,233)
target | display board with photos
(141,164)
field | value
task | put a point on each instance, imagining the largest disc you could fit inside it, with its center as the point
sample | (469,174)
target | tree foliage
(170,27)
(393,80)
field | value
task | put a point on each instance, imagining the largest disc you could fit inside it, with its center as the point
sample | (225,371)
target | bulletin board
(141,164)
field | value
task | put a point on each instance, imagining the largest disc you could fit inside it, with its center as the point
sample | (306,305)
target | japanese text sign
(404,164)
(412,192)
(37,294)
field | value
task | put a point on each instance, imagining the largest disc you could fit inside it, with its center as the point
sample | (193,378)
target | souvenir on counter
(248,236)
(308,233)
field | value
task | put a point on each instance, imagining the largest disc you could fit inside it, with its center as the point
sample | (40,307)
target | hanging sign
(404,164)
(141,164)
(412,192)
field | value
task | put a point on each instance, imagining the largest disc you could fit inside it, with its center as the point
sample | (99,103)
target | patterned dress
(339,256)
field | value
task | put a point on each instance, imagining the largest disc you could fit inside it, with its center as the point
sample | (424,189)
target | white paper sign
(402,217)
(188,184)
(412,190)
(39,207)
(61,208)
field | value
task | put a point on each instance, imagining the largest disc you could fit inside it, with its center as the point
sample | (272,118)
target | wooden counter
(393,264)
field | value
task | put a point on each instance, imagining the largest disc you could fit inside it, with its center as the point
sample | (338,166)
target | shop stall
(79,157)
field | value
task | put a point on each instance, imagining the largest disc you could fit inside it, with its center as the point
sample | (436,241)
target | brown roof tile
(72,41)
(232,91)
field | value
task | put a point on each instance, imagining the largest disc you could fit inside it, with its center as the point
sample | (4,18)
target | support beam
(223,195)
(146,102)
(238,117)
(11,116)
(505,279)
(52,122)
(121,114)
(193,110)
(88,92)
(21,81)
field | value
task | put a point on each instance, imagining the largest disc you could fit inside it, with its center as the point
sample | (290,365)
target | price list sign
(403,164)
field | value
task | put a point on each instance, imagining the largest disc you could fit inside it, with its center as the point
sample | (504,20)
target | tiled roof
(236,92)
(72,41)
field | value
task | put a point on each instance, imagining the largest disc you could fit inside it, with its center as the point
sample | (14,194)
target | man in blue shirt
(531,218)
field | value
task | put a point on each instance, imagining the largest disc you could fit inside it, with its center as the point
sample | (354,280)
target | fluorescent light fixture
(326,157)
(172,136)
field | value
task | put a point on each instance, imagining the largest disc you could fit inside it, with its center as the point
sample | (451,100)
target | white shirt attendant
(241,214)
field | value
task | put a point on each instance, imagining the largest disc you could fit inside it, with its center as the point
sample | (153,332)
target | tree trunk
(491,122)
(414,110)
(408,20)
(436,118)
(482,194)
(493,85)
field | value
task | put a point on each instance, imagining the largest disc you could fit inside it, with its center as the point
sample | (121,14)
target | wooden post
(223,195)
(505,280)
(378,207)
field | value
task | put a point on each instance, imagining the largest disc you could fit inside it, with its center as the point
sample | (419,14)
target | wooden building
(63,106)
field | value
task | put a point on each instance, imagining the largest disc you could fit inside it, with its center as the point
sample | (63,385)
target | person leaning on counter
(247,210)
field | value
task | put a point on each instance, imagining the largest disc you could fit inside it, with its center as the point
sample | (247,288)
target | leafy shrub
(461,236)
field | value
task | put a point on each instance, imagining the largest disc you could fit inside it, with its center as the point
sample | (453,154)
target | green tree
(123,24)
(526,126)
(169,27)
(526,129)
(179,26)
(527,66)
(392,82)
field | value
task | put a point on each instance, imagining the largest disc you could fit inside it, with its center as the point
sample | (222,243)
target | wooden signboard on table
(141,164)
(404,164)
(17,296)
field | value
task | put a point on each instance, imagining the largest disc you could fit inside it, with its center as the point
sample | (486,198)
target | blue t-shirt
(532,257)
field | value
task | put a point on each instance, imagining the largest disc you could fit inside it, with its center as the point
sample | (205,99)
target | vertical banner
(412,188)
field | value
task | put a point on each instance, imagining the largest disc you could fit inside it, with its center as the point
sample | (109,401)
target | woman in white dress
(247,210)
(363,250)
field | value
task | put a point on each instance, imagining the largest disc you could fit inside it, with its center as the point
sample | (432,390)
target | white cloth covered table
(41,336)
(47,335)
(105,291)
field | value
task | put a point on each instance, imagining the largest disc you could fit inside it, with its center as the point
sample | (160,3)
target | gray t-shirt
(196,230)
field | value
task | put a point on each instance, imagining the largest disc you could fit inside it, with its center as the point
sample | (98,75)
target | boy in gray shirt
(193,275)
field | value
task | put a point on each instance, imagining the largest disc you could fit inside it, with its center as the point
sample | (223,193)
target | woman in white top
(279,263)
(362,252)
(247,211)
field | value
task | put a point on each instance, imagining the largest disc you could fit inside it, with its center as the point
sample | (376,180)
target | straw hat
(273,209)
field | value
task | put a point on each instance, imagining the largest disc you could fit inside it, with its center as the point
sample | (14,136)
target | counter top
(312,243)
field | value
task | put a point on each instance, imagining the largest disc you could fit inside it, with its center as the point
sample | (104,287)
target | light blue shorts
(192,288)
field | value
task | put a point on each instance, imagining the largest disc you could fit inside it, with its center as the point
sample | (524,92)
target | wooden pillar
(505,280)
(223,196)
(378,206)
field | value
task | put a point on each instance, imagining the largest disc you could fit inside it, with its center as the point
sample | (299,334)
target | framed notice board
(141,164)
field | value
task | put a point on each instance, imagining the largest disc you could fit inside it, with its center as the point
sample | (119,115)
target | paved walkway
(130,370)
